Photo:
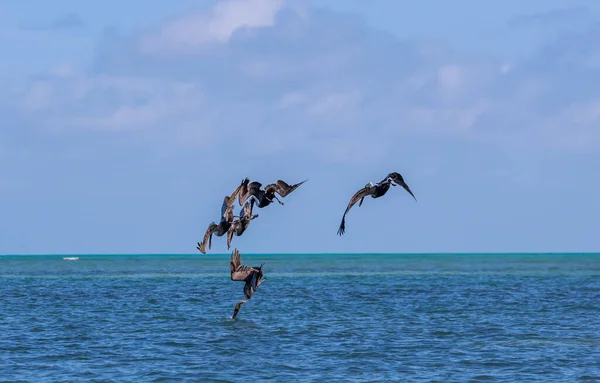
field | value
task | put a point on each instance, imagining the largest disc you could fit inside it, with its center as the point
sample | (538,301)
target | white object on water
(71,258)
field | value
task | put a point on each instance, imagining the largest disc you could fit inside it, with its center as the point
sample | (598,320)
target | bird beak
(405,186)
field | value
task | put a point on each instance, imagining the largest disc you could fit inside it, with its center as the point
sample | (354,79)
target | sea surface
(316,318)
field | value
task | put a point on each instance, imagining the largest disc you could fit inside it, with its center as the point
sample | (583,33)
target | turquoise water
(408,318)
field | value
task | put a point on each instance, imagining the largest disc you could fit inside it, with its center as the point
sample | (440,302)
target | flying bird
(252,276)
(264,197)
(375,191)
(224,223)
(239,226)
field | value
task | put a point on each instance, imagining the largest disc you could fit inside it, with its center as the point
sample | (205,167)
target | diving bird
(224,223)
(375,191)
(264,197)
(252,276)
(239,226)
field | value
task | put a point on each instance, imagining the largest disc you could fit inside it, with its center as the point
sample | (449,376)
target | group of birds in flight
(250,195)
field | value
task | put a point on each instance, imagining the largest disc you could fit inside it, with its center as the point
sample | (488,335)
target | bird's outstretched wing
(236,192)
(358,196)
(226,202)
(247,189)
(243,190)
(239,272)
(282,188)
(207,237)
(232,229)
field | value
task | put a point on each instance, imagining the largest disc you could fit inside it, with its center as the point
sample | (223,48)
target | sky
(124,124)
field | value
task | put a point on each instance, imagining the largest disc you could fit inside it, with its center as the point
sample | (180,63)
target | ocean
(316,318)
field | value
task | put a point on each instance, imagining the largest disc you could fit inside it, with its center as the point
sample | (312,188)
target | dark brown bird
(375,191)
(239,226)
(224,224)
(252,191)
(252,276)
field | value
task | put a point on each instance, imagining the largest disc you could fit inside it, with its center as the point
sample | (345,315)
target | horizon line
(313,253)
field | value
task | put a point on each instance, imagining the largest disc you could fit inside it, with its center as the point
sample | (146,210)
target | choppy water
(409,318)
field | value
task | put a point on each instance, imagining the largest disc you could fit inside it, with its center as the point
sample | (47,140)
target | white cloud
(108,102)
(188,33)
(328,86)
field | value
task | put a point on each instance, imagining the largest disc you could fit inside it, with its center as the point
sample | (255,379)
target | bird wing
(237,192)
(230,234)
(247,189)
(229,201)
(362,193)
(357,197)
(248,210)
(239,272)
(225,205)
(243,190)
(282,188)
(207,237)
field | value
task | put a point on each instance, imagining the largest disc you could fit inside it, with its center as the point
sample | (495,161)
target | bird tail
(342,228)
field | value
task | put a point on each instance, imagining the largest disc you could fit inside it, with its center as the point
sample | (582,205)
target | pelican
(252,276)
(375,191)
(224,224)
(252,191)
(239,226)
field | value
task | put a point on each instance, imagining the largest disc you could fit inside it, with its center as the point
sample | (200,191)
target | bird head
(396,178)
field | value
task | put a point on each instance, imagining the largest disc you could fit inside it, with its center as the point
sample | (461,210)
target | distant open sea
(317,318)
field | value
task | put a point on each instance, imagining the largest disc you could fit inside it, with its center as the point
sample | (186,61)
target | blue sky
(125,123)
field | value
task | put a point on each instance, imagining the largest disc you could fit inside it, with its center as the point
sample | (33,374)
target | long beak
(405,186)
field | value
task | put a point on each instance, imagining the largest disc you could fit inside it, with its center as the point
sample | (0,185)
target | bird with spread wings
(224,224)
(264,197)
(251,276)
(375,191)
